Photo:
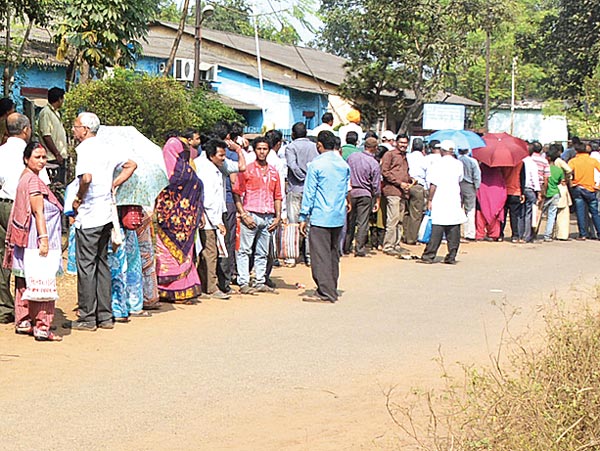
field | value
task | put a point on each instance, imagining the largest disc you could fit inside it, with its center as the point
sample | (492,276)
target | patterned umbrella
(150,176)
(502,150)
(464,139)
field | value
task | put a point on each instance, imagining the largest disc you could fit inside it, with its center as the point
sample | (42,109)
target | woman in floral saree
(179,211)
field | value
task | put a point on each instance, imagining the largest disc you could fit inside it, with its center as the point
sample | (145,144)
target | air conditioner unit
(184,69)
(162,67)
(208,72)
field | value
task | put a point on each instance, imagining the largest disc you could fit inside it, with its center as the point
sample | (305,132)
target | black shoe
(80,325)
(270,283)
(108,324)
(450,262)
(392,252)
(425,262)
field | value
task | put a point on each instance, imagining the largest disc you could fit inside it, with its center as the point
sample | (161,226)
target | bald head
(18,126)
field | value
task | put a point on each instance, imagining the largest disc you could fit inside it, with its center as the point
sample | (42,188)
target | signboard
(442,117)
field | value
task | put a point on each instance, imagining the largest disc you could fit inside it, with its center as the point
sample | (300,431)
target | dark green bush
(154,105)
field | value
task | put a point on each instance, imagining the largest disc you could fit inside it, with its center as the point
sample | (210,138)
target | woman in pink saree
(491,198)
(179,209)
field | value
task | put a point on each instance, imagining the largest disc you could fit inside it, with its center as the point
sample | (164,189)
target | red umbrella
(501,150)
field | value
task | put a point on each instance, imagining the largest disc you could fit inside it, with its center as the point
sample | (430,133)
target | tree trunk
(411,114)
(11,68)
(171,59)
(6,83)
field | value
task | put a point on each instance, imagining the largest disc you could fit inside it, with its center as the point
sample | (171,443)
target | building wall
(283,106)
(37,77)
(149,65)
(530,125)
(306,101)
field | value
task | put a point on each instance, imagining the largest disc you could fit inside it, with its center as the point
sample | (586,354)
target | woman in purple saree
(179,209)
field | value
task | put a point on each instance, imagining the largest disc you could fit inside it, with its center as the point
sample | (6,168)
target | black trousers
(325,257)
(7,302)
(437,233)
(226,266)
(514,207)
(93,274)
(358,224)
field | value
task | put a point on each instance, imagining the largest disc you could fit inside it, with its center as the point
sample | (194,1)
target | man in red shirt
(257,195)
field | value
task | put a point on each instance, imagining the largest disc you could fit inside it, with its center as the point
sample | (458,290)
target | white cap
(447,145)
(388,135)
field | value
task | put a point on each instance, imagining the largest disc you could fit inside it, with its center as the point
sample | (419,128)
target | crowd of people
(210,216)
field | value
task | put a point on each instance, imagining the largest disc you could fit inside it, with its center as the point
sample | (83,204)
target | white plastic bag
(40,275)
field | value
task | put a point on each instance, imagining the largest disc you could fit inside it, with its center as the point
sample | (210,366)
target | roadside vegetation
(154,105)
(541,397)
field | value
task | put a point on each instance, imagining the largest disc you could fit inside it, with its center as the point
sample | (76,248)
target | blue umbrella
(464,139)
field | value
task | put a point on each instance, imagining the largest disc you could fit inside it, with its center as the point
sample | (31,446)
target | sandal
(155,306)
(186,302)
(140,314)
(122,320)
(24,328)
(46,335)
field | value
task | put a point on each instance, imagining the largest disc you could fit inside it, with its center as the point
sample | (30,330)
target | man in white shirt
(532,194)
(11,156)
(93,222)
(212,167)
(444,203)
(326,124)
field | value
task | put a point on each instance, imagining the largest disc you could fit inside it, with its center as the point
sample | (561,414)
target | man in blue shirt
(324,203)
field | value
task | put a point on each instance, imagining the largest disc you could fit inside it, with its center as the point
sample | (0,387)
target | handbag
(132,216)
(289,241)
(40,275)
(425,228)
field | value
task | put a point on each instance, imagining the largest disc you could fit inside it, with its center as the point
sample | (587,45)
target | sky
(265,7)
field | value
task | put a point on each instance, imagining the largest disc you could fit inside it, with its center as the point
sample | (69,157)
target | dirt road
(272,372)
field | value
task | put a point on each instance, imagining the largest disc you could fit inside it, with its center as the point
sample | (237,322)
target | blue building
(296,81)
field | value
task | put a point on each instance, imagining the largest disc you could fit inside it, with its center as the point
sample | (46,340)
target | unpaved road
(272,372)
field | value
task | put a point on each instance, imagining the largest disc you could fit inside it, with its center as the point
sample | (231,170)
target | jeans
(584,198)
(247,238)
(526,219)
(551,206)
(515,208)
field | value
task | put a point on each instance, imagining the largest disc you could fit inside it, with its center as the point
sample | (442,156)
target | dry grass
(541,397)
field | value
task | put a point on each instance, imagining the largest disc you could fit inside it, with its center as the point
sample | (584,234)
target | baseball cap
(447,145)
(388,135)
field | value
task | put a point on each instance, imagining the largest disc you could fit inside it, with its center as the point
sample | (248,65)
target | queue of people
(208,215)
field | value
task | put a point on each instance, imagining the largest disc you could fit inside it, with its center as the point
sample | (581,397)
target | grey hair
(16,123)
(89,120)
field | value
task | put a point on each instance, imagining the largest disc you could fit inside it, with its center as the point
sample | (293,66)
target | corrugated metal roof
(322,65)
(236,104)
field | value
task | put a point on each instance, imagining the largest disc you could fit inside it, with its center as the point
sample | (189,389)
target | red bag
(132,216)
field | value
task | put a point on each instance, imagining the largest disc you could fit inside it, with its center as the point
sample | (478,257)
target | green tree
(277,24)
(106,35)
(208,110)
(154,105)
(17,19)
(568,45)
(394,46)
